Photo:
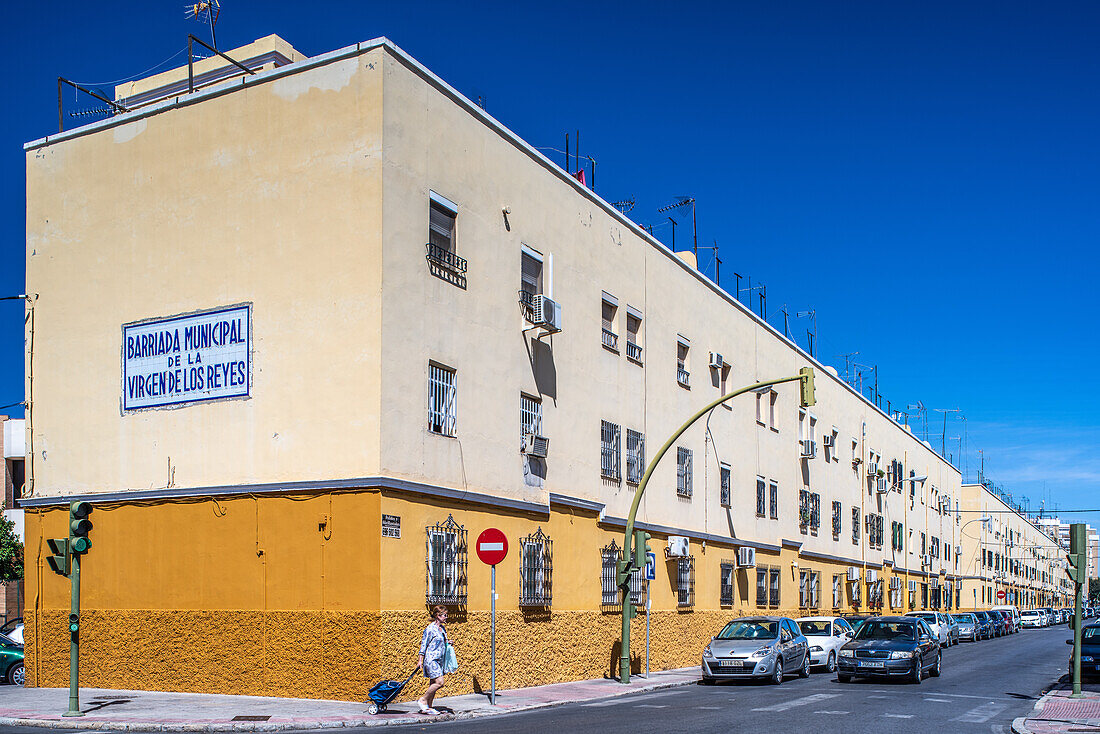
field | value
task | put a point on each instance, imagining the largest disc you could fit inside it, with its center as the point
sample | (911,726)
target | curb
(411,718)
(1019,726)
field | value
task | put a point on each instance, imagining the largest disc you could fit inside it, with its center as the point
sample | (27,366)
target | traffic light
(1077,558)
(641,547)
(79,526)
(74,623)
(59,560)
(806,387)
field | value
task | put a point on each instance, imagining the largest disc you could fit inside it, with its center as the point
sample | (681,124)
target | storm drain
(250,718)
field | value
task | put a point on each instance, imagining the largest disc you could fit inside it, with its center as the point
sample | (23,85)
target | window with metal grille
(815,511)
(773,587)
(803,508)
(536,573)
(724,485)
(442,411)
(773,500)
(611,596)
(610,467)
(530,416)
(446,546)
(804,589)
(761,501)
(815,585)
(635,456)
(762,586)
(633,338)
(685,582)
(610,338)
(683,471)
(725,591)
(837,509)
(838,590)
(874,593)
(855,524)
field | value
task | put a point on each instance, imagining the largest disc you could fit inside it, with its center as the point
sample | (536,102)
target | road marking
(612,702)
(878,697)
(838,713)
(652,706)
(710,708)
(898,716)
(937,700)
(982,714)
(798,702)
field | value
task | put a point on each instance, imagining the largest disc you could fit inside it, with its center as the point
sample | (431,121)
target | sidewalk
(154,711)
(1057,712)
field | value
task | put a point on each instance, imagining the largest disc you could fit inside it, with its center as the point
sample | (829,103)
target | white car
(825,635)
(939,624)
(1031,618)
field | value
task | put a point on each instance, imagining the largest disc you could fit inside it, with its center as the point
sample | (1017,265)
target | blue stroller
(384,692)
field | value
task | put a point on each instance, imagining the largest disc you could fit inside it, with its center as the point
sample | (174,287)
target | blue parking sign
(650,566)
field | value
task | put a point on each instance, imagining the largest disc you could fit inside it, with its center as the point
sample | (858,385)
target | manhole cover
(251,718)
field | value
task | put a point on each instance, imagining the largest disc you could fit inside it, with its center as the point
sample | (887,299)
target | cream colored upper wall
(269,195)
(434,143)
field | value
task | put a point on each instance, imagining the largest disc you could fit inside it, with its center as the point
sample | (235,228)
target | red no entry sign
(491,546)
(1000,595)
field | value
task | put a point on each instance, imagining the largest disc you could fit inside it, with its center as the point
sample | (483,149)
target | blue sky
(923,176)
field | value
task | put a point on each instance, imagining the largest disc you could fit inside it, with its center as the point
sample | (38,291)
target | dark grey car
(757,647)
(890,646)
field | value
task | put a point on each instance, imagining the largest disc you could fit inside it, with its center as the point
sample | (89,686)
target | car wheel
(918,672)
(777,676)
(935,670)
(16,674)
(830,664)
(841,678)
(804,672)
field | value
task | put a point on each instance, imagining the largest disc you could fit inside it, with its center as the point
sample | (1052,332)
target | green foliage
(11,552)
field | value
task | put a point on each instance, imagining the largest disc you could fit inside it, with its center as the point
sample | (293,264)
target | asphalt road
(984,686)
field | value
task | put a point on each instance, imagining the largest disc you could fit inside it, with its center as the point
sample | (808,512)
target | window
(773,500)
(874,594)
(837,509)
(838,590)
(760,407)
(610,595)
(815,512)
(441,223)
(725,592)
(683,472)
(761,503)
(609,451)
(804,589)
(802,425)
(635,456)
(446,563)
(761,586)
(773,411)
(923,544)
(530,416)
(856,459)
(682,374)
(773,587)
(804,508)
(815,584)
(855,524)
(724,485)
(535,576)
(610,307)
(633,332)
(441,399)
(530,278)
(685,582)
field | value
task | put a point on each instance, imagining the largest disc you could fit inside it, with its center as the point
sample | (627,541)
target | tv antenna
(811,336)
(205,10)
(625,205)
(686,201)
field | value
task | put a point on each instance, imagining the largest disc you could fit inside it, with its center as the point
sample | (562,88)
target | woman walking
(433,649)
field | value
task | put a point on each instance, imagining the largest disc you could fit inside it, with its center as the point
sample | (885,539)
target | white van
(1011,609)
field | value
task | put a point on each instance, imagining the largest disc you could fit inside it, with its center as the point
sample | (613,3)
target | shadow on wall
(616,661)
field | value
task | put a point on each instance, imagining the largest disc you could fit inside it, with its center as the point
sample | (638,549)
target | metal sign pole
(493,642)
(648,607)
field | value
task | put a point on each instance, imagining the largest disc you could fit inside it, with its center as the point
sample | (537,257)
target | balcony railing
(611,340)
(682,375)
(633,351)
(445,258)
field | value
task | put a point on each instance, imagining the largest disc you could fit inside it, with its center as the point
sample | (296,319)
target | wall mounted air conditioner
(912,586)
(716,361)
(746,557)
(895,583)
(828,441)
(809,449)
(853,573)
(536,445)
(546,313)
(872,575)
(677,547)
(872,469)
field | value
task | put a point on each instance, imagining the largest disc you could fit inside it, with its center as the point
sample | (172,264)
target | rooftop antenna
(943,439)
(919,407)
(811,337)
(625,205)
(207,10)
(686,201)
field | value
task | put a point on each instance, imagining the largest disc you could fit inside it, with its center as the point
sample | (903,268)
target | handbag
(450,660)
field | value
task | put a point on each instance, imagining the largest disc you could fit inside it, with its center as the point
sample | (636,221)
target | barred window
(837,509)
(683,471)
(441,399)
(610,597)
(724,485)
(685,582)
(761,501)
(609,451)
(803,508)
(773,500)
(530,416)
(815,511)
(773,587)
(446,546)
(855,524)
(815,586)
(838,590)
(536,573)
(725,593)
(803,589)
(761,586)
(635,456)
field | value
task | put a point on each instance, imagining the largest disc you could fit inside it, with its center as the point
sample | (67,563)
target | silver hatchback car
(757,647)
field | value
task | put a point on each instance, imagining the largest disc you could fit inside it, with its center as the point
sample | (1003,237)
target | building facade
(344,322)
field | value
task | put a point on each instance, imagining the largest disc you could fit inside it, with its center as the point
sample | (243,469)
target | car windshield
(815,627)
(757,629)
(1029,614)
(1091,635)
(965,618)
(927,616)
(5,640)
(874,629)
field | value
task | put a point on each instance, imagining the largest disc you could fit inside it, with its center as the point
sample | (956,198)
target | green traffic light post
(65,561)
(1078,573)
(636,559)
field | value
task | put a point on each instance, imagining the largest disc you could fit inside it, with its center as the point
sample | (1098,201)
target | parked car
(757,647)
(825,635)
(937,623)
(1013,613)
(986,627)
(11,660)
(1000,622)
(969,627)
(13,628)
(1031,618)
(1048,616)
(952,630)
(890,646)
(1090,651)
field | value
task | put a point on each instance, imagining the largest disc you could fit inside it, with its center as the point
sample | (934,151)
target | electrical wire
(22,403)
(135,76)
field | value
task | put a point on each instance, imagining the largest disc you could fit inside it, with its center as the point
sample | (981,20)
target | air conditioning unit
(546,313)
(716,361)
(536,445)
(895,583)
(809,448)
(934,582)
(912,586)
(746,557)
(880,485)
(872,576)
(828,441)
(853,573)
(677,547)
(926,560)
(872,470)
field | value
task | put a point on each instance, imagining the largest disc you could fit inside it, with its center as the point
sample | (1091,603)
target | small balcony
(611,340)
(682,376)
(633,351)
